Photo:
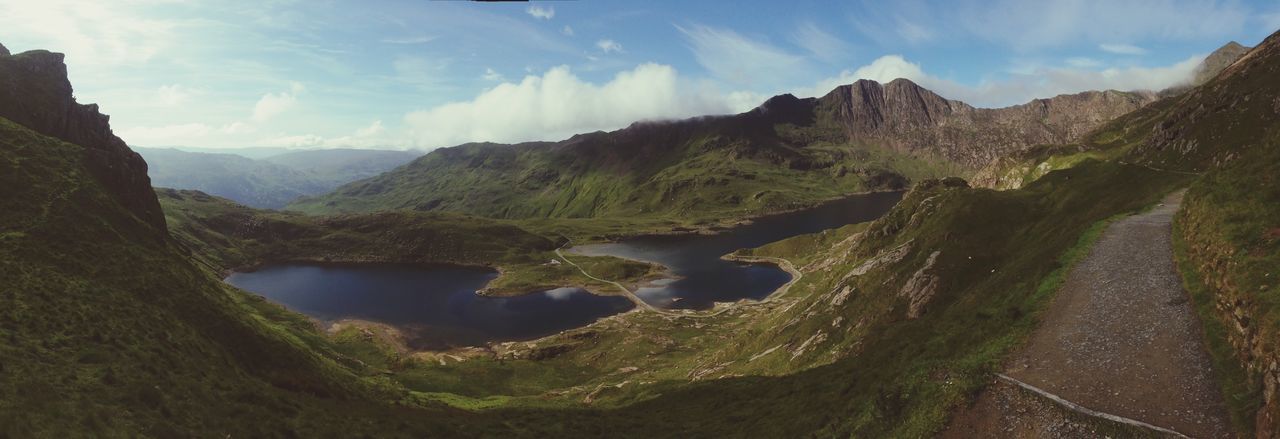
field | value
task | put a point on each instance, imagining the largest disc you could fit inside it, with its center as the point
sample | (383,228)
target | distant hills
(271,181)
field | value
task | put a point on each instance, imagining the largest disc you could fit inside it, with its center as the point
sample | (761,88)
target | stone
(36,93)
(920,288)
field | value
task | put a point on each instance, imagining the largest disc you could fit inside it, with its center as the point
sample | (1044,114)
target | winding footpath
(1119,342)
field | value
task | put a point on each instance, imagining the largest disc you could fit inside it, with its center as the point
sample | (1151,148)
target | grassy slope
(211,355)
(109,331)
(901,376)
(1227,234)
(1229,249)
(875,374)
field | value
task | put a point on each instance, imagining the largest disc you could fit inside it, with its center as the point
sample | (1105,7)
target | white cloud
(1122,49)
(371,136)
(740,60)
(567,30)
(540,12)
(273,104)
(819,43)
(91,33)
(883,69)
(607,45)
(491,75)
(558,104)
(1017,88)
(373,129)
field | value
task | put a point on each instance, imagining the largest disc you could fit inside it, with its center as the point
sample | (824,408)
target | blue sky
(425,74)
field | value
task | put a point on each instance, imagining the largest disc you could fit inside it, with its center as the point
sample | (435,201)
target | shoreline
(716,309)
(397,335)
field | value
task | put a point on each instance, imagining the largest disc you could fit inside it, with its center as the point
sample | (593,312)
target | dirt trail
(1119,338)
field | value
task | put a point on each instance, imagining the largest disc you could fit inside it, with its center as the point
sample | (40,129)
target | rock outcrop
(920,288)
(904,116)
(35,92)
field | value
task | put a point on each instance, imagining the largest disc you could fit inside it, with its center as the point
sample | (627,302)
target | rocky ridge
(859,137)
(1218,61)
(35,92)
(912,119)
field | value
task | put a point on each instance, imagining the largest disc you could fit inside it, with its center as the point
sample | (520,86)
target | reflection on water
(706,279)
(436,307)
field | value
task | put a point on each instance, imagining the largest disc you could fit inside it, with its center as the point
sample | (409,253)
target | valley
(878,261)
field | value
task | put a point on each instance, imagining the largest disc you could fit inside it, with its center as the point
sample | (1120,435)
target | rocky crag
(35,92)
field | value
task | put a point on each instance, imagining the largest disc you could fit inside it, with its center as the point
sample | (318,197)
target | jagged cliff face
(35,92)
(912,119)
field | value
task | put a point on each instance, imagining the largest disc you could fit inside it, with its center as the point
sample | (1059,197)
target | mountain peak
(1218,61)
(903,82)
(871,106)
(4,51)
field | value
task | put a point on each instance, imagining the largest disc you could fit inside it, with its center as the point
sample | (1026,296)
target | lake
(437,306)
(704,278)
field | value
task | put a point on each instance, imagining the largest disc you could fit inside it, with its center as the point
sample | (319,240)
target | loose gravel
(1121,338)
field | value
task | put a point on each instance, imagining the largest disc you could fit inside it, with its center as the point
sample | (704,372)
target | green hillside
(110,331)
(685,171)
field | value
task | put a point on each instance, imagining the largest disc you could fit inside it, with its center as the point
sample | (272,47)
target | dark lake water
(436,307)
(704,278)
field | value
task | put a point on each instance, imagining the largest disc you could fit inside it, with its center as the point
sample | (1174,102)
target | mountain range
(788,151)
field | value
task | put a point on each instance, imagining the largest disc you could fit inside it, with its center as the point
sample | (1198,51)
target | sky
(428,74)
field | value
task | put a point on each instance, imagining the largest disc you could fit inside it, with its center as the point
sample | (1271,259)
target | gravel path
(1121,337)
(1008,411)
